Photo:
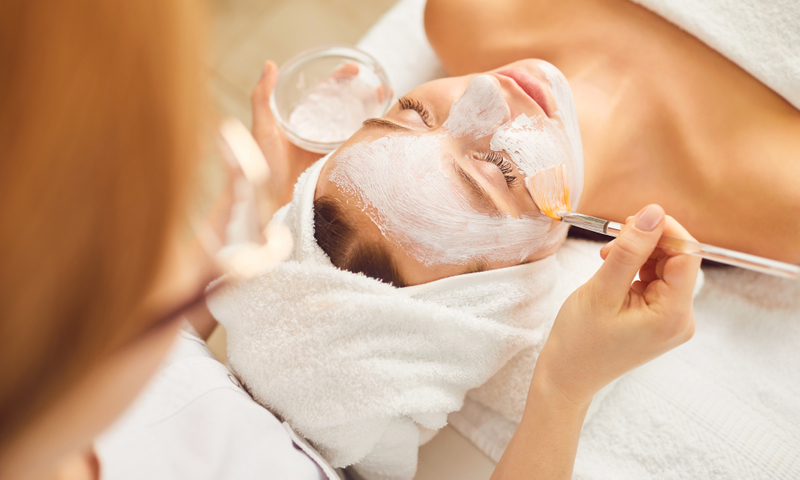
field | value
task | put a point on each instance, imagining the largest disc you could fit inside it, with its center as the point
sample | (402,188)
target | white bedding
(726,404)
(761,36)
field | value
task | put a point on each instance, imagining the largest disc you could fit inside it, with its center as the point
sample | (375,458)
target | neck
(636,93)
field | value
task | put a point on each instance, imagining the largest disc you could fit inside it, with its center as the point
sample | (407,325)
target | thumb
(259,100)
(630,251)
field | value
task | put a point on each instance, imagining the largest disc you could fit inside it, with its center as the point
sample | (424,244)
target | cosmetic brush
(550,191)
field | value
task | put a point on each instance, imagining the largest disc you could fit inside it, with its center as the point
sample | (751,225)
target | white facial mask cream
(334,109)
(536,143)
(407,192)
(404,184)
(480,110)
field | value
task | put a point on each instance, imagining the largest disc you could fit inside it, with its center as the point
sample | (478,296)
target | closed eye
(408,103)
(502,163)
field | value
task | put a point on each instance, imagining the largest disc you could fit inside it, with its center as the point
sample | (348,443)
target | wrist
(546,387)
(546,440)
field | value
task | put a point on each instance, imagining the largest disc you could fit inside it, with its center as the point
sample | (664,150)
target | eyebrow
(477,189)
(383,123)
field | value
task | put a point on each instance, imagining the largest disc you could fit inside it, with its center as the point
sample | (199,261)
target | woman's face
(440,180)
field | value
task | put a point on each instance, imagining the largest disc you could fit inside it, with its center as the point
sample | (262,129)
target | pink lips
(531,86)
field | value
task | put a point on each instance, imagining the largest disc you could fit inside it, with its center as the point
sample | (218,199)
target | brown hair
(337,237)
(99,117)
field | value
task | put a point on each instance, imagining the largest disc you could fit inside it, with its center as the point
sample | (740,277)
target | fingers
(259,100)
(679,271)
(650,270)
(639,287)
(630,252)
(383,93)
(606,248)
(675,229)
(348,70)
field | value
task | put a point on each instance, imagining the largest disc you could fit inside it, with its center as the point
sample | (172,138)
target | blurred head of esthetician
(101,103)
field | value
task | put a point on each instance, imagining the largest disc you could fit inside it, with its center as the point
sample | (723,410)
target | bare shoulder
(445,23)
(467,34)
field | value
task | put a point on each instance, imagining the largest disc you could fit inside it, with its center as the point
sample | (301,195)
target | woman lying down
(421,269)
(423,272)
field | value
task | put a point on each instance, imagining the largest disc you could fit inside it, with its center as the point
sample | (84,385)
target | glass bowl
(324,93)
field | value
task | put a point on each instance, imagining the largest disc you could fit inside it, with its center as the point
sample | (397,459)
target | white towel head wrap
(366,371)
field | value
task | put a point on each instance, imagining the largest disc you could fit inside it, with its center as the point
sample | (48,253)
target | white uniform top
(195,421)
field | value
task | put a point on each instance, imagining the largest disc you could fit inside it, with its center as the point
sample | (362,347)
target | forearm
(545,443)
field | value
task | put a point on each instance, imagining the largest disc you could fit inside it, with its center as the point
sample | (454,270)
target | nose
(480,110)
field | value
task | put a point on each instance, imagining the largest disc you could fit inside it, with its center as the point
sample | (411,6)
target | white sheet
(727,404)
(761,36)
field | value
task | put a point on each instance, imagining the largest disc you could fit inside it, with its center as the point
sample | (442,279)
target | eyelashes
(407,103)
(502,163)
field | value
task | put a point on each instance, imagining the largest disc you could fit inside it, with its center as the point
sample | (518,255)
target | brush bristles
(550,190)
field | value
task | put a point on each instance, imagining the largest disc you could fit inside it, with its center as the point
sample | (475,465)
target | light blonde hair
(100,110)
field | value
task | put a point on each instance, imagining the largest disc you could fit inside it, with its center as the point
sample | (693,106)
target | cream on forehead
(479,111)
(402,184)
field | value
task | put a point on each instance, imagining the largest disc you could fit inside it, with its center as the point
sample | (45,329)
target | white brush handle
(679,245)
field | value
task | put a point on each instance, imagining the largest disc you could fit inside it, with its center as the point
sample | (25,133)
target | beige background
(246,33)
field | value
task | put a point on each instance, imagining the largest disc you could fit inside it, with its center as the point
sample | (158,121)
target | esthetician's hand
(606,328)
(610,326)
(286,160)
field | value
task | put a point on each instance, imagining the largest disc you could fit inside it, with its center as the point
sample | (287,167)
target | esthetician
(101,121)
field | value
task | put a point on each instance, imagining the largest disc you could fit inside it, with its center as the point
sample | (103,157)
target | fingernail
(606,248)
(266,69)
(649,219)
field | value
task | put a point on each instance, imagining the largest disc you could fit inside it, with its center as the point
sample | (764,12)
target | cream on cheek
(402,184)
(535,143)
(479,112)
